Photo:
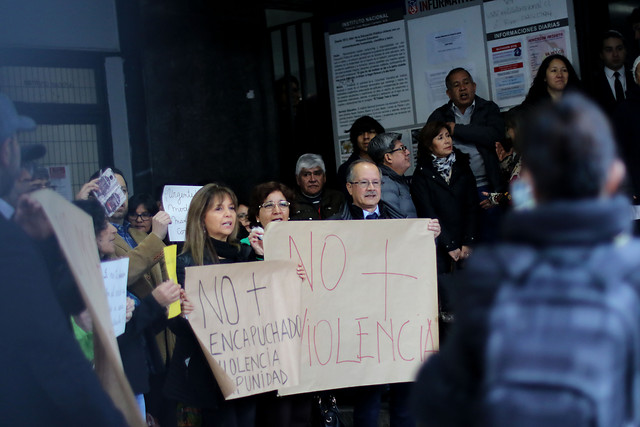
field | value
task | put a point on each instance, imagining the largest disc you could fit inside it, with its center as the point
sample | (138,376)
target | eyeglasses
(363,185)
(282,204)
(144,216)
(403,149)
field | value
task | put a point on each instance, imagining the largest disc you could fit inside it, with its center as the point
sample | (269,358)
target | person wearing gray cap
(393,159)
(46,380)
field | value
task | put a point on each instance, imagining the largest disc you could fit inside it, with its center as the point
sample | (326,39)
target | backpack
(564,339)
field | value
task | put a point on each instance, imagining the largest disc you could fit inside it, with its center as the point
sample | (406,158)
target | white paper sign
(176,200)
(114,274)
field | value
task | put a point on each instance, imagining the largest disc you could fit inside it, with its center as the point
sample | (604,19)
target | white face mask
(522,195)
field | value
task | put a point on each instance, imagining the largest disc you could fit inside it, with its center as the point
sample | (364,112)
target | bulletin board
(398,79)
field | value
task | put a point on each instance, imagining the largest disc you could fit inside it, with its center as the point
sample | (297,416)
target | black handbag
(326,412)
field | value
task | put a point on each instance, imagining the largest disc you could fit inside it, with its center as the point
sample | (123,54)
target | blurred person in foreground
(46,380)
(570,163)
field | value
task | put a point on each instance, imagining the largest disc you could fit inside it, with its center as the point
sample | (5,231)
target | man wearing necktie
(364,182)
(611,82)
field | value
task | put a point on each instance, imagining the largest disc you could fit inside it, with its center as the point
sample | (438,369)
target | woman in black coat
(212,227)
(444,187)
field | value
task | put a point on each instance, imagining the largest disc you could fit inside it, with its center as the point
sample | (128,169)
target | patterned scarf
(444,164)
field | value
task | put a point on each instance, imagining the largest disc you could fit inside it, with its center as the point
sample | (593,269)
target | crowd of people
(552,160)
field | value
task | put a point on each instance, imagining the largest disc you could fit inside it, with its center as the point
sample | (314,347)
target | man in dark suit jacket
(613,79)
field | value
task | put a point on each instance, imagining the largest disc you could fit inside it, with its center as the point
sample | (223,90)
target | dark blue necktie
(372,216)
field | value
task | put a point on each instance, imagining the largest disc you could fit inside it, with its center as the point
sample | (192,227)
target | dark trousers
(366,409)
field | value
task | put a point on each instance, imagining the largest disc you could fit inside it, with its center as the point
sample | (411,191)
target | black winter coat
(138,349)
(486,127)
(455,204)
(190,379)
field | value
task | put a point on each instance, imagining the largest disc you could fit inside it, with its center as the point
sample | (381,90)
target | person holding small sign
(212,226)
(145,317)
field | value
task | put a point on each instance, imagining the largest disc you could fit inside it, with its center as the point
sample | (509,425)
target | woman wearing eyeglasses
(142,208)
(210,238)
(444,187)
(269,202)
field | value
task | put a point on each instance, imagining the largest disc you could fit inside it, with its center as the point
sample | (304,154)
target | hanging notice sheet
(369,74)
(519,37)
(439,43)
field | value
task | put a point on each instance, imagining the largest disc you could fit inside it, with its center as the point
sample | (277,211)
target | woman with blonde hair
(212,227)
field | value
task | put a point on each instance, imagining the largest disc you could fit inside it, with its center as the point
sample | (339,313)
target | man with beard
(46,380)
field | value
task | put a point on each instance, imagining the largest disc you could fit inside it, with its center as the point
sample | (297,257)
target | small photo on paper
(109,192)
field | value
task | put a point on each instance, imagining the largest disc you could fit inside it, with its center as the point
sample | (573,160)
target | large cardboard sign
(74,231)
(247,320)
(369,306)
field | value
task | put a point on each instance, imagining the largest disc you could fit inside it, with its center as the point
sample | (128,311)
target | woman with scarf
(444,187)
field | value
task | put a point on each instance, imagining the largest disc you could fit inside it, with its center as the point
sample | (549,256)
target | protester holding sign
(137,344)
(142,207)
(212,227)
(45,378)
(269,202)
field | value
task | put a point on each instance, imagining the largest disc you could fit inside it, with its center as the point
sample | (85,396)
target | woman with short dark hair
(444,187)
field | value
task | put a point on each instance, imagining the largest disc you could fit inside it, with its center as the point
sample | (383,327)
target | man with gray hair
(312,200)
(393,159)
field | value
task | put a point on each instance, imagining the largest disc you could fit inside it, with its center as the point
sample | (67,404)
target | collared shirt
(123,231)
(6,209)
(365,214)
(476,160)
(464,118)
(612,80)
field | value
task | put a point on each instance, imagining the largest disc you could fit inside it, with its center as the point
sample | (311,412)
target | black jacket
(46,380)
(330,203)
(190,379)
(485,129)
(449,386)
(602,93)
(138,349)
(351,211)
(626,119)
(455,204)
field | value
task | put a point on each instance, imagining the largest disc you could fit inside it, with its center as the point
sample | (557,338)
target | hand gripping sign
(369,304)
